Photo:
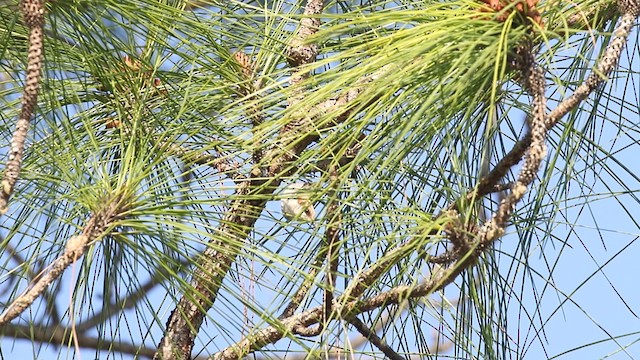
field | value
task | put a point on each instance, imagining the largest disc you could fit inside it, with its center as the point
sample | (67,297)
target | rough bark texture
(33,16)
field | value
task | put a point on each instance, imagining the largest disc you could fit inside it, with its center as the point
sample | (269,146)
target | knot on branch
(110,210)
(299,54)
(462,237)
(459,235)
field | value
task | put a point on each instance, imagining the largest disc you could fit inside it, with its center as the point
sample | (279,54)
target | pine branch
(595,79)
(534,143)
(186,319)
(375,339)
(76,246)
(33,14)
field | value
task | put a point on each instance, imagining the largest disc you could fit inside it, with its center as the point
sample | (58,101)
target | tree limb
(76,246)
(186,319)
(375,339)
(33,14)
(597,77)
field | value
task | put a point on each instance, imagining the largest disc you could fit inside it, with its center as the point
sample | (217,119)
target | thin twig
(375,339)
(59,335)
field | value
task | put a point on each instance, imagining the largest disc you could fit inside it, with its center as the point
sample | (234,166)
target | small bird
(295,204)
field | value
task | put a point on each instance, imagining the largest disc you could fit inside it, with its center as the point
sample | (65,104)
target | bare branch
(375,339)
(59,335)
(33,14)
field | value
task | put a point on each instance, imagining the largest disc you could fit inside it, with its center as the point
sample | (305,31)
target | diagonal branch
(214,263)
(76,246)
(49,297)
(595,79)
(375,339)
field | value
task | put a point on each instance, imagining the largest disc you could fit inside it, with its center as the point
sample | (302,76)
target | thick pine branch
(212,267)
